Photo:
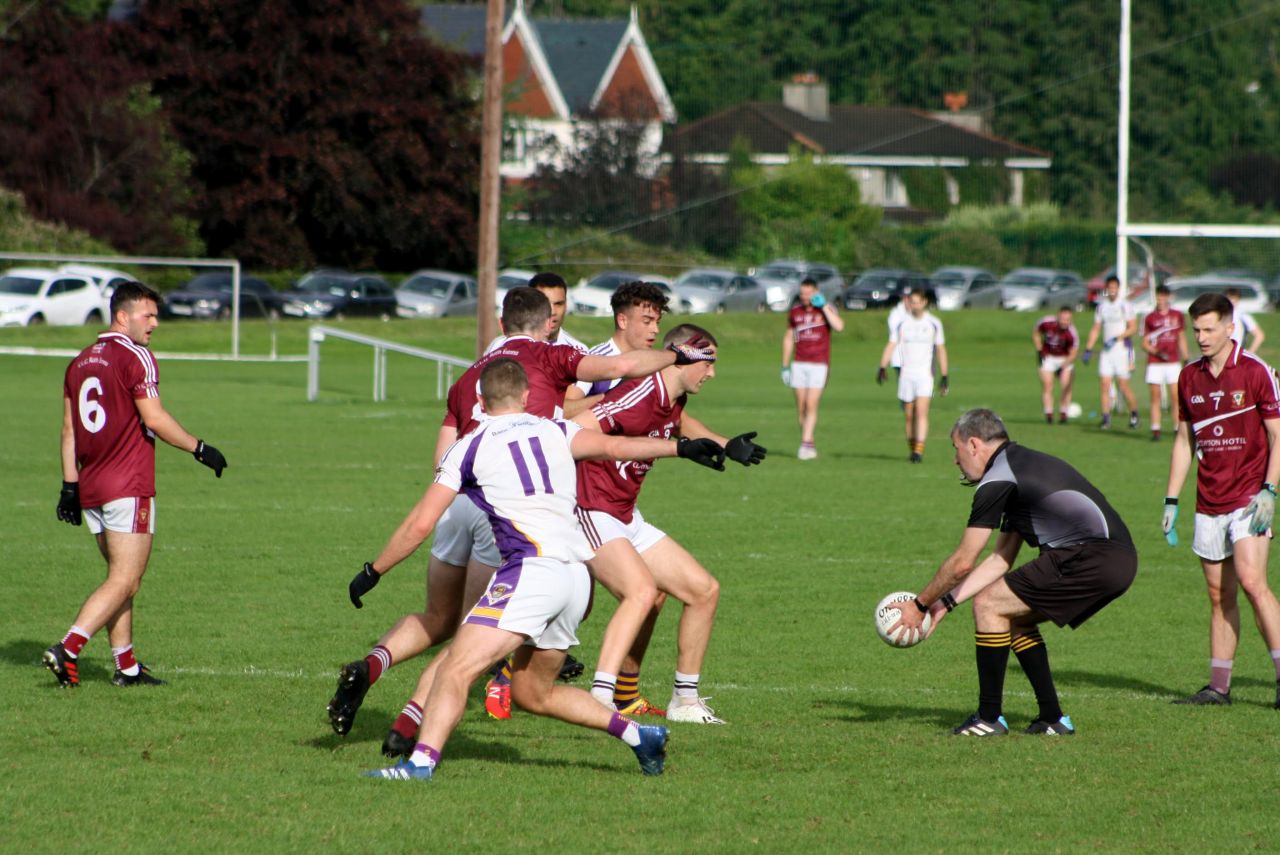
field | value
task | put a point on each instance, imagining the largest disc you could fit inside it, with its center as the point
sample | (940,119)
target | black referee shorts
(1071,584)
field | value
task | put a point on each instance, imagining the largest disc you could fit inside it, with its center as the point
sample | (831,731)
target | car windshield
(1191,290)
(20,285)
(318,283)
(714,281)
(428,286)
(209,284)
(1027,281)
(949,280)
(510,281)
(612,281)
(876,280)
(777,271)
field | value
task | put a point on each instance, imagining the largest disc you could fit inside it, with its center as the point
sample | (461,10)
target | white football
(887,613)
(1074,410)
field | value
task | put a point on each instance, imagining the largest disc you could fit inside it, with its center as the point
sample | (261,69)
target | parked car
(210,296)
(1184,289)
(781,280)
(719,291)
(31,295)
(965,288)
(104,277)
(1030,289)
(592,296)
(880,287)
(436,294)
(1139,280)
(340,294)
(507,279)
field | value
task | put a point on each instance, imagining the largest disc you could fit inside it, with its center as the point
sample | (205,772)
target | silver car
(717,291)
(965,287)
(1030,289)
(781,280)
(436,294)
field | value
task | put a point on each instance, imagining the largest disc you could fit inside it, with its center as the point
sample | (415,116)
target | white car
(33,295)
(594,296)
(104,277)
(1184,289)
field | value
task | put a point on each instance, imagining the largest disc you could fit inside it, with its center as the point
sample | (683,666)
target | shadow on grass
(861,712)
(26,652)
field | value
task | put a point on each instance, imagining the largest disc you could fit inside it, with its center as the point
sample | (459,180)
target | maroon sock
(409,720)
(74,641)
(379,660)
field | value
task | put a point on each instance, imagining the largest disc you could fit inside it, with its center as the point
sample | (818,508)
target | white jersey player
(520,469)
(1114,321)
(917,339)
(1245,331)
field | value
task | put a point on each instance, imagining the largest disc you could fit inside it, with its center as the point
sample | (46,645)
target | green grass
(836,742)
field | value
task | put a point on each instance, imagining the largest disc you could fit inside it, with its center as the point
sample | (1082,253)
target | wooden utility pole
(490,180)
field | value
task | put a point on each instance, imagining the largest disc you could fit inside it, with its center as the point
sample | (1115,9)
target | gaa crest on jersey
(1237,398)
(499,591)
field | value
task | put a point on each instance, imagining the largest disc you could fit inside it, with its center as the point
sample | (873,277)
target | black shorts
(1071,584)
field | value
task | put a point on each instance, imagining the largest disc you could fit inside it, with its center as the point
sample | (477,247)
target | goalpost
(1125,230)
(155,261)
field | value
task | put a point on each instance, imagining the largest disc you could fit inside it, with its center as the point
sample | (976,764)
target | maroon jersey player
(111,417)
(635,560)
(806,357)
(1057,344)
(1229,406)
(1166,345)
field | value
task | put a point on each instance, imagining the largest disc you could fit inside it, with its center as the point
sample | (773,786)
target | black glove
(1039,359)
(210,456)
(69,503)
(946,384)
(696,349)
(743,450)
(706,452)
(362,583)
(881,375)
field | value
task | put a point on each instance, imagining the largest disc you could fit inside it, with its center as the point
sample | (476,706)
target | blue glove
(818,301)
(1088,354)
(1169,519)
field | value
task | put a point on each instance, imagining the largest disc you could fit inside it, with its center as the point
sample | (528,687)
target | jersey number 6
(92,414)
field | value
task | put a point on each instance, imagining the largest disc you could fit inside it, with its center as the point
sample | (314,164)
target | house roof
(879,132)
(579,52)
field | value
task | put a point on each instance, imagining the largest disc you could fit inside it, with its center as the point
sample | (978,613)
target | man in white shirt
(1115,322)
(917,339)
(1245,326)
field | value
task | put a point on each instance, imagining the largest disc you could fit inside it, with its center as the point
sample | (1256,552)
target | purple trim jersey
(518,470)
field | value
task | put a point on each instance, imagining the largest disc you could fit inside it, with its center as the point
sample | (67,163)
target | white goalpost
(1125,230)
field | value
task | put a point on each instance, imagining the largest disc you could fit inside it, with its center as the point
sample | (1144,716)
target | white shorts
(601,527)
(541,598)
(912,386)
(129,515)
(1163,373)
(1116,361)
(1055,364)
(1216,535)
(808,375)
(464,533)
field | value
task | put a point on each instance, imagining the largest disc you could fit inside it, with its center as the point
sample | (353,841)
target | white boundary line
(180,357)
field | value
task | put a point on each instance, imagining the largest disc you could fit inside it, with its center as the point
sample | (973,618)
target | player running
(1230,416)
(806,358)
(551,370)
(1166,347)
(1086,560)
(635,560)
(1057,344)
(919,339)
(111,415)
(1115,321)
(520,469)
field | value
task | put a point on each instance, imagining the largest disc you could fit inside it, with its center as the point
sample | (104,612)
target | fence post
(313,363)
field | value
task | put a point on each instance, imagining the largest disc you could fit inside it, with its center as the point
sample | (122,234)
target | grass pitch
(835,742)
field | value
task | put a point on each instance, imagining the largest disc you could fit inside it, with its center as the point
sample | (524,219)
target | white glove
(1167,522)
(1263,508)
(786,376)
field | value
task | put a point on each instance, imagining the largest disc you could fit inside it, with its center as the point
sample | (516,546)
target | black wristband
(948,601)
(924,610)
(1170,500)
(1269,487)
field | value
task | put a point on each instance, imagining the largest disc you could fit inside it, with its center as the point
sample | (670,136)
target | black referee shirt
(1044,499)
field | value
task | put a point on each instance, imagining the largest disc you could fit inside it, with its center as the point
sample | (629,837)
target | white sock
(603,686)
(631,735)
(686,685)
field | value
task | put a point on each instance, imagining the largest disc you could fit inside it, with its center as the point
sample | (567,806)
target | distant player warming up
(919,340)
(1057,344)
(1086,560)
(1115,321)
(111,417)
(520,469)
(1166,347)
(1230,421)
(806,358)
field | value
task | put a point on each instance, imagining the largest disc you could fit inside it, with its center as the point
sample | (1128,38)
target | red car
(1139,280)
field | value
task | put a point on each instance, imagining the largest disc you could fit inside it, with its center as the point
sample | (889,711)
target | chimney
(957,113)
(807,95)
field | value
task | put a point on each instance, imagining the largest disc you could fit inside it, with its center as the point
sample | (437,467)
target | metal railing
(317,334)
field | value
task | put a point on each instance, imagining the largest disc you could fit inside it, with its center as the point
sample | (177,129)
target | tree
(325,131)
(82,139)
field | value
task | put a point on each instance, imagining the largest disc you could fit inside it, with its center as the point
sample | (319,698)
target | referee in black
(1086,560)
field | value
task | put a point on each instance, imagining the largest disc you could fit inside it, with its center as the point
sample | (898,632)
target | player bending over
(520,469)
